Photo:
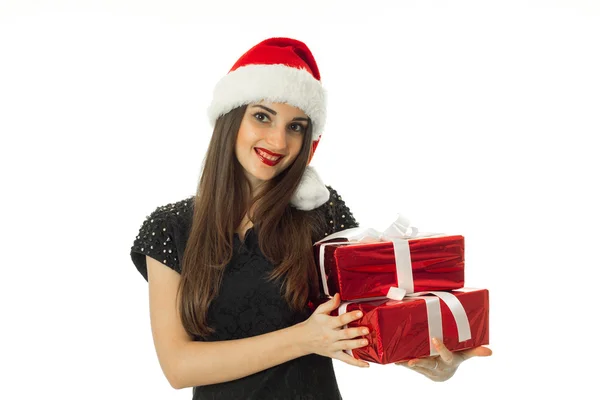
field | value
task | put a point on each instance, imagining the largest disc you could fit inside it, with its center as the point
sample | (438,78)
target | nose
(277,138)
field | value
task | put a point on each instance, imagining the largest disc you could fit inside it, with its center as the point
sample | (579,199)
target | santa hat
(279,70)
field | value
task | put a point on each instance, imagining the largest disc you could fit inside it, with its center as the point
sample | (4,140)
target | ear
(311,192)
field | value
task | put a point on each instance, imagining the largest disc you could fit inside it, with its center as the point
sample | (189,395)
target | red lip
(269,152)
(267,161)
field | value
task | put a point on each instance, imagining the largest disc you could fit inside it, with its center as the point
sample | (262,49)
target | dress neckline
(247,234)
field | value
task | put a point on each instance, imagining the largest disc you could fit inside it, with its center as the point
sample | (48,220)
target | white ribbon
(434,313)
(399,232)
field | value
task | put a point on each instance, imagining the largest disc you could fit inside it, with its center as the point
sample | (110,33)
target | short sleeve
(155,239)
(338,215)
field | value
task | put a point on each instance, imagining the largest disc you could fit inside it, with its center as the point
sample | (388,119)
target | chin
(265,177)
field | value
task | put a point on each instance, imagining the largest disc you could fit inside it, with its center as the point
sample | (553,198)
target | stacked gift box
(409,286)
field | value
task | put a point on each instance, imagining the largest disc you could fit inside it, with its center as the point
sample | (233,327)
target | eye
(298,128)
(262,115)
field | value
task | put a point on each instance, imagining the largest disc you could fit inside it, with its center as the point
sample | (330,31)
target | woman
(230,270)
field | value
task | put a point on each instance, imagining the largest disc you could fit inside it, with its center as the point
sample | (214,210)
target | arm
(188,363)
(204,363)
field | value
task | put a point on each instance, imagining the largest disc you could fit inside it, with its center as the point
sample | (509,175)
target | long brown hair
(222,200)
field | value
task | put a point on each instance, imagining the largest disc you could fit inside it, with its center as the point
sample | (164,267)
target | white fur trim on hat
(311,192)
(275,83)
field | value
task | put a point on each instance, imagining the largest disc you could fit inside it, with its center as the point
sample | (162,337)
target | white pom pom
(311,192)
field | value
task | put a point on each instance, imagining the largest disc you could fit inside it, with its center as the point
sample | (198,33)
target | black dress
(247,305)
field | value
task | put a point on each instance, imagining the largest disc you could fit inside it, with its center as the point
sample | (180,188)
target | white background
(470,117)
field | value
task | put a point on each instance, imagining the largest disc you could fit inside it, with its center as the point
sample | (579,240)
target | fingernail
(435,341)
(359,314)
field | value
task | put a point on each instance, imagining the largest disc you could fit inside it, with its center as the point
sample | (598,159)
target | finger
(424,371)
(350,344)
(351,333)
(446,355)
(346,318)
(405,364)
(476,352)
(343,356)
(428,362)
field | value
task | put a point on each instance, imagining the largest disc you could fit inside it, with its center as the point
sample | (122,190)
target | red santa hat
(279,70)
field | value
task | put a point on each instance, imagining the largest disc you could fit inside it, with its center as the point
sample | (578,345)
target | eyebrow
(275,113)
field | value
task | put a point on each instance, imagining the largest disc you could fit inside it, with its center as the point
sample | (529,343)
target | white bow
(399,232)
(434,312)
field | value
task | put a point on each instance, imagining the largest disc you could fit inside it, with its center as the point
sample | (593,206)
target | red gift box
(366,270)
(399,329)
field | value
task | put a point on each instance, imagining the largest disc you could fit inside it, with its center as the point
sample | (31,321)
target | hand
(323,334)
(441,368)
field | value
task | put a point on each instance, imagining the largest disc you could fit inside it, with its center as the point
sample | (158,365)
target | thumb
(330,305)
(476,352)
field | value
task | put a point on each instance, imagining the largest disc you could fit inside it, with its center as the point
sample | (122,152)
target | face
(269,140)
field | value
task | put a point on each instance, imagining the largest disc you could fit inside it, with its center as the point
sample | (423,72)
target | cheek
(245,137)
(296,145)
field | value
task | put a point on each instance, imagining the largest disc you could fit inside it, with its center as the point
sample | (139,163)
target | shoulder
(159,235)
(172,212)
(170,217)
(336,213)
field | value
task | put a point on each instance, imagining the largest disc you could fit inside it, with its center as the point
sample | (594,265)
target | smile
(267,158)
